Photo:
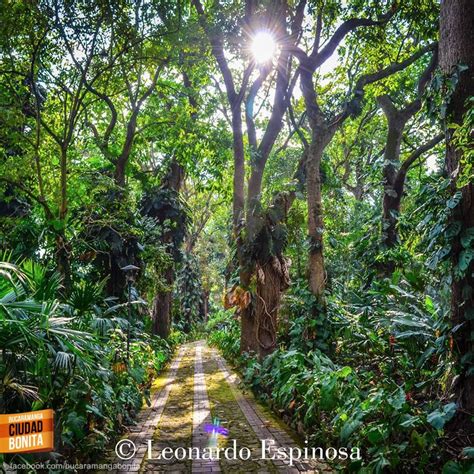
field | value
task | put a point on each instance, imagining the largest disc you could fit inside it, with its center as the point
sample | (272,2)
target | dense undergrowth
(379,382)
(70,355)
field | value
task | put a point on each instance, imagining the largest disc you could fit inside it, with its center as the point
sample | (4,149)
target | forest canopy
(290,180)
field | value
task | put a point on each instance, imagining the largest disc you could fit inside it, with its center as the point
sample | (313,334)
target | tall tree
(131,71)
(106,89)
(258,306)
(456,59)
(163,205)
(55,99)
(324,124)
(395,170)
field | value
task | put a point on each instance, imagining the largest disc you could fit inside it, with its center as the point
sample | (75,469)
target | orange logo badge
(30,432)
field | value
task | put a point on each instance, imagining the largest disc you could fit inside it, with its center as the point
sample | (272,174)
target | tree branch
(419,151)
(353,106)
(297,126)
(218,52)
(316,59)
(249,106)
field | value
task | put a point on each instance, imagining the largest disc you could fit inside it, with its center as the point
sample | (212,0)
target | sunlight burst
(263,47)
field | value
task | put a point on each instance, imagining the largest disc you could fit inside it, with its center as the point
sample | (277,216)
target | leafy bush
(72,357)
(381,385)
(224,332)
(334,405)
(188,294)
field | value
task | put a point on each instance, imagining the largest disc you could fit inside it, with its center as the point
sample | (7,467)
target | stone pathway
(264,429)
(148,420)
(174,432)
(199,392)
(201,417)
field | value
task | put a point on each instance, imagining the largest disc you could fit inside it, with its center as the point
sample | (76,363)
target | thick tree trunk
(248,323)
(259,332)
(161,311)
(259,321)
(272,280)
(248,331)
(455,48)
(119,174)
(321,135)
(260,317)
(392,186)
(248,337)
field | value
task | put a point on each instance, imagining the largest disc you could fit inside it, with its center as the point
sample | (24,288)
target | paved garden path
(198,404)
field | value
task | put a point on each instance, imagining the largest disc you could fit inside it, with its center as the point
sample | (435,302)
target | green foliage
(307,325)
(188,294)
(169,212)
(463,141)
(223,331)
(378,383)
(72,357)
(99,98)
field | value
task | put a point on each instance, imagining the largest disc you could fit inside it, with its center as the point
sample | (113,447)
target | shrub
(72,357)
(223,331)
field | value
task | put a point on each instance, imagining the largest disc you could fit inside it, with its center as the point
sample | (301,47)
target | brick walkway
(174,431)
(181,409)
(265,429)
(201,416)
(148,420)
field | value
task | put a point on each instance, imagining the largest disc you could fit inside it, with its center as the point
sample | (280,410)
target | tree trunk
(393,174)
(248,331)
(119,174)
(272,280)
(64,172)
(248,326)
(239,169)
(161,312)
(205,306)
(317,273)
(62,262)
(259,319)
(248,340)
(391,196)
(62,247)
(391,210)
(116,282)
(455,48)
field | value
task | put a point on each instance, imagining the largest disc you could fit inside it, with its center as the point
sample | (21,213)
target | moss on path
(169,422)
(224,407)
(175,427)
